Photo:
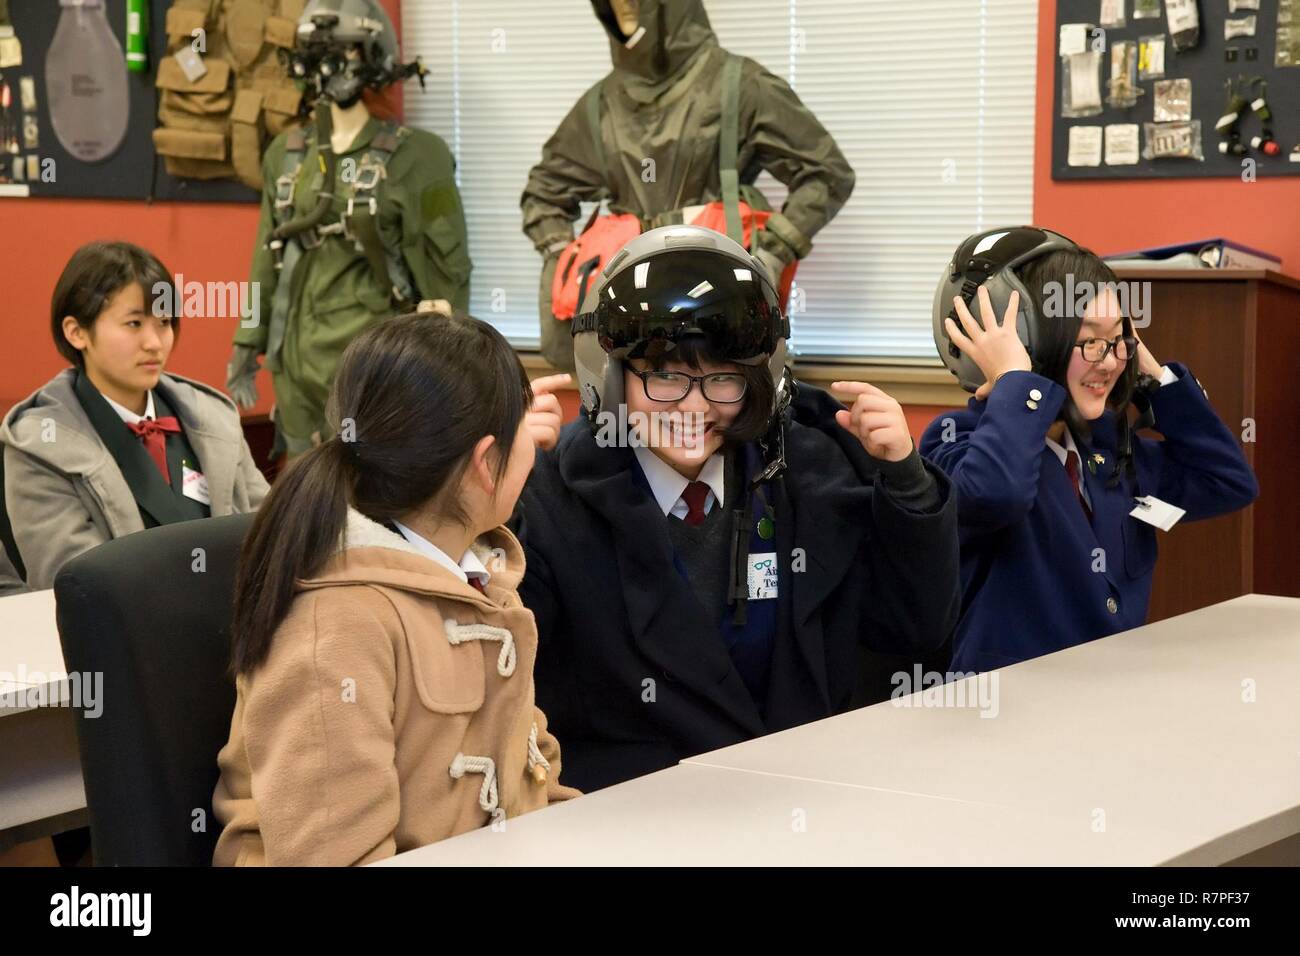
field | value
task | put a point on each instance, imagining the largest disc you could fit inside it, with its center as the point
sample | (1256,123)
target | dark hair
(752,421)
(97,272)
(1059,333)
(412,397)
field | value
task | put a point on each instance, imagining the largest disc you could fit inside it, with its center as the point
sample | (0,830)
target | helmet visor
(648,308)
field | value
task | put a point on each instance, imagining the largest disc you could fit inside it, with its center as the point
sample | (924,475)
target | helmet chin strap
(1141,399)
(773,444)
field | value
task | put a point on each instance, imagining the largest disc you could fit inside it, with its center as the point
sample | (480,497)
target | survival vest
(237,95)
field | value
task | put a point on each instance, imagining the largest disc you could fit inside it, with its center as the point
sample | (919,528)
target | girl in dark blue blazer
(1046,468)
(688,596)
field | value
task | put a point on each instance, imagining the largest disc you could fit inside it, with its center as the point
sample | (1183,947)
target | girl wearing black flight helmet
(715,548)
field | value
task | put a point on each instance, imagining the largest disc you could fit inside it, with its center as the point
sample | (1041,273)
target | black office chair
(137,611)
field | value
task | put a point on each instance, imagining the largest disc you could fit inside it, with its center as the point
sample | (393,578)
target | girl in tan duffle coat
(383,660)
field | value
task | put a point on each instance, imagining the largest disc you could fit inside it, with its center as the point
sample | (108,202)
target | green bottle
(137,36)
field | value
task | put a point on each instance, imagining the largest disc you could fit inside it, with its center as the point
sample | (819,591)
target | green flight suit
(334,293)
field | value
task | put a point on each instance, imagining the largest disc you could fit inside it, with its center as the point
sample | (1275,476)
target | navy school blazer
(630,673)
(1037,576)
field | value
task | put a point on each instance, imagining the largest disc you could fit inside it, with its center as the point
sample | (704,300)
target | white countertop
(40,770)
(30,652)
(1138,749)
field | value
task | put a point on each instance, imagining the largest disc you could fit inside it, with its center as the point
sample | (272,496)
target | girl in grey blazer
(114,444)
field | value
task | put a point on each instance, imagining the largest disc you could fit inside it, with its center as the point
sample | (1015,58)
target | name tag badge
(762,576)
(1155,512)
(194,485)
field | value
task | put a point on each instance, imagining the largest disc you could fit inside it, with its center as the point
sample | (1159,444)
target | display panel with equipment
(1181,88)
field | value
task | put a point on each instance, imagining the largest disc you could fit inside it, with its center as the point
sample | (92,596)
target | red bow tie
(153,433)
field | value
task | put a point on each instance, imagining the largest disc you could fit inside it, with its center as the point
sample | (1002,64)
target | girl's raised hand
(876,420)
(994,346)
(1147,363)
(545,418)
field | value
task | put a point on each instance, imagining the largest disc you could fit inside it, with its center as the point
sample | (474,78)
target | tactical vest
(215,125)
(358,223)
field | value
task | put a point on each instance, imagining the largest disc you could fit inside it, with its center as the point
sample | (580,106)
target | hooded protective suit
(663,102)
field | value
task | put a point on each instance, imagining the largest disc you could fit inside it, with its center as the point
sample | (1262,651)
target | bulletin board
(134,170)
(1208,67)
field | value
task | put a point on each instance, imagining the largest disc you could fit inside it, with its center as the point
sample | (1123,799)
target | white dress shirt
(667,483)
(468,566)
(128,416)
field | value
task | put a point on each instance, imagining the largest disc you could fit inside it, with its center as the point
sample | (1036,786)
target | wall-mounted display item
(1122,90)
(1122,144)
(1173,101)
(1288,33)
(1146,9)
(85,81)
(1184,24)
(1151,57)
(1080,72)
(1173,141)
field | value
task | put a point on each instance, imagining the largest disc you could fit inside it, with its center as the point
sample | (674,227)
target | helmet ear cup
(592,367)
(963,277)
(999,287)
(614,394)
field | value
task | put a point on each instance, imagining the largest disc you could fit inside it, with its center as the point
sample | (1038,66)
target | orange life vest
(601,241)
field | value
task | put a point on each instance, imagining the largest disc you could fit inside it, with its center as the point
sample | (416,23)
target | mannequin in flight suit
(662,102)
(393,233)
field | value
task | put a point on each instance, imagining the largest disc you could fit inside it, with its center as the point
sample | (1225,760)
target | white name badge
(1156,512)
(194,485)
(762,576)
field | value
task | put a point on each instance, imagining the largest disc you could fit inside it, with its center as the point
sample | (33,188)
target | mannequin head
(626,12)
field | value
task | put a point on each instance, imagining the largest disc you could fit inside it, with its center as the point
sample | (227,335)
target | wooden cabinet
(1239,333)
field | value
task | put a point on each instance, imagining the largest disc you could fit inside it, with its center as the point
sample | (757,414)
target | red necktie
(477,583)
(694,496)
(153,432)
(1072,469)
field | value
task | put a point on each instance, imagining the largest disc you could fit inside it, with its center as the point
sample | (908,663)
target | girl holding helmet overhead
(713,550)
(1050,476)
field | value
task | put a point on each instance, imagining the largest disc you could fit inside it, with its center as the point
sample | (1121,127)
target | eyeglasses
(722,388)
(1095,350)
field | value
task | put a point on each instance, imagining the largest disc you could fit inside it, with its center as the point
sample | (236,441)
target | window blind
(931,101)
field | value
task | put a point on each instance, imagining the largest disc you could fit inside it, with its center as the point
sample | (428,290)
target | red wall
(1118,216)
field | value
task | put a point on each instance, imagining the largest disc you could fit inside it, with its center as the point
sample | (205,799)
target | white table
(1140,749)
(41,789)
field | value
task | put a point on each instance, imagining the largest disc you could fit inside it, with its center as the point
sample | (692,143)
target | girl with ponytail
(383,661)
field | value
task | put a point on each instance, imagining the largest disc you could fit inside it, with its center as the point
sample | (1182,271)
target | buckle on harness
(367,177)
(372,207)
(284,192)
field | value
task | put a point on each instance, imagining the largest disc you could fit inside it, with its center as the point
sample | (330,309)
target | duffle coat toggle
(460,633)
